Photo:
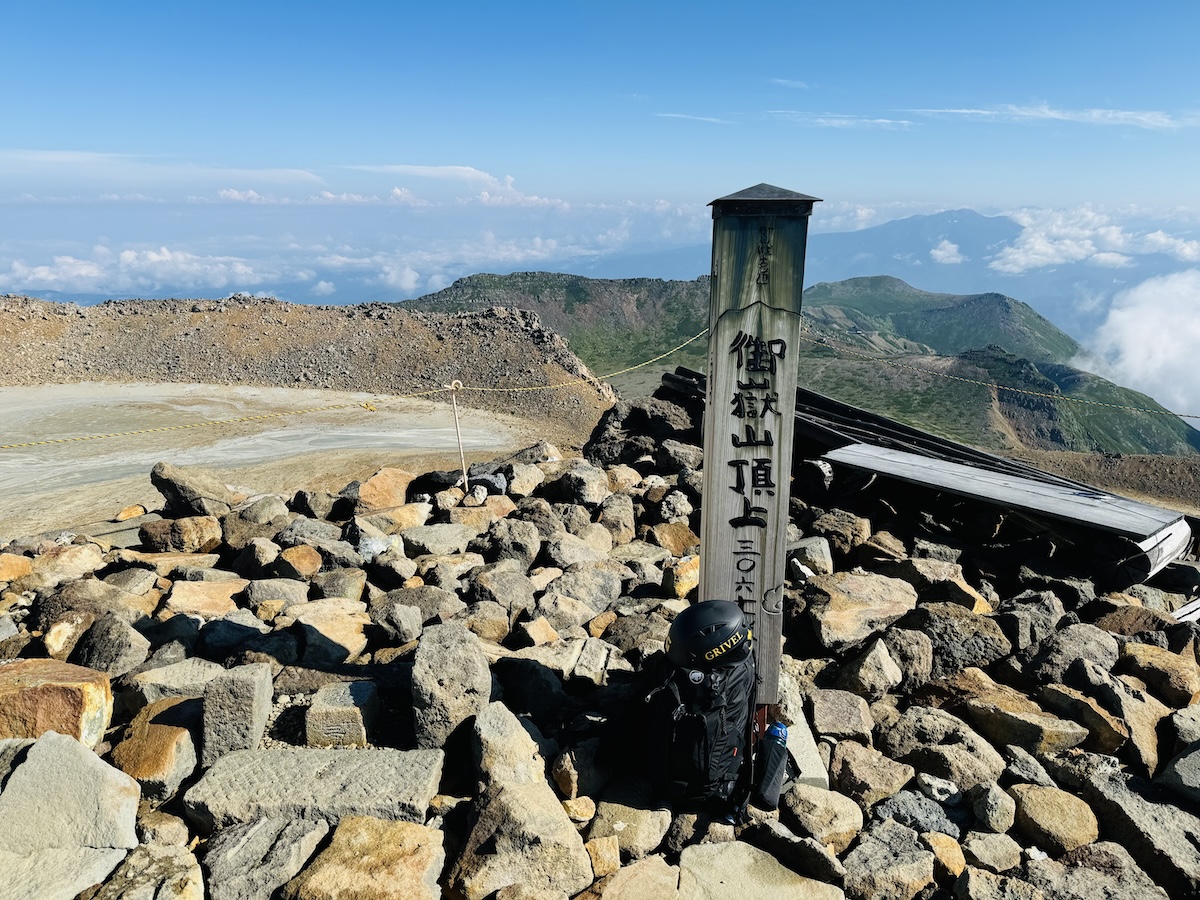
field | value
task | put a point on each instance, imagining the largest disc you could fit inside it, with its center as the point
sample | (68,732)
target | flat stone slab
(315,784)
(58,873)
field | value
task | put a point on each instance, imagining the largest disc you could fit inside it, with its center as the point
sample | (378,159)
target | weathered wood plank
(758,273)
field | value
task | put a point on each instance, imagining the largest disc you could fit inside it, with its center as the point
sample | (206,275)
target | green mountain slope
(875,342)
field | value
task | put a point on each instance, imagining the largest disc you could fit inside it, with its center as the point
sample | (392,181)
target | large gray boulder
(192,491)
(1103,869)
(254,859)
(848,607)
(889,863)
(520,835)
(941,744)
(67,819)
(314,784)
(450,682)
(237,704)
(960,637)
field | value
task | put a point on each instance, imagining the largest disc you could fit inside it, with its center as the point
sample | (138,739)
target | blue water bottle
(772,766)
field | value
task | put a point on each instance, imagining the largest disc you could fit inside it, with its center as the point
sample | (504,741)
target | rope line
(552,387)
(999,387)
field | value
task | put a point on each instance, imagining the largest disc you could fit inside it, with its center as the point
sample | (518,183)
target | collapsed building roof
(1139,540)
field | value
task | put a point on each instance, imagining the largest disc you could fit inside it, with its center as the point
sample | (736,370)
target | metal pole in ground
(454,387)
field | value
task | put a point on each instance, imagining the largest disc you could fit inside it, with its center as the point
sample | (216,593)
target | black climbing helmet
(712,633)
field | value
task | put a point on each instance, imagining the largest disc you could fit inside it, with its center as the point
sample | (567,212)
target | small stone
(995,852)
(342,714)
(606,855)
(1053,819)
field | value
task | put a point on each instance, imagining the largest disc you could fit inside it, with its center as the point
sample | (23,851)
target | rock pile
(405,690)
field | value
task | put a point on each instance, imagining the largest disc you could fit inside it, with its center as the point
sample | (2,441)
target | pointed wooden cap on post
(764,200)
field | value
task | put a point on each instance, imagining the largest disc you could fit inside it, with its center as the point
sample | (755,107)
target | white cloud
(401,277)
(1057,237)
(789,83)
(444,173)
(344,198)
(1109,260)
(839,120)
(1161,242)
(237,196)
(405,197)
(1008,112)
(1149,338)
(709,119)
(946,253)
(506,195)
(128,271)
(324,288)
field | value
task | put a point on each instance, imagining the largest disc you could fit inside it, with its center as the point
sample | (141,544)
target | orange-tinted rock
(208,599)
(386,488)
(301,562)
(158,749)
(40,695)
(14,566)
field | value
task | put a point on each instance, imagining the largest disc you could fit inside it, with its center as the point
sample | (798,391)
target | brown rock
(40,695)
(866,775)
(829,816)
(191,534)
(1106,732)
(682,577)
(130,512)
(675,537)
(948,859)
(606,855)
(374,859)
(300,562)
(1006,716)
(13,566)
(478,517)
(158,749)
(597,626)
(385,489)
(844,531)
(848,607)
(1173,677)
(1052,819)
(937,580)
(207,599)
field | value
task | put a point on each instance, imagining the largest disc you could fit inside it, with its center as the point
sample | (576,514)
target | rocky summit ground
(401,690)
(374,348)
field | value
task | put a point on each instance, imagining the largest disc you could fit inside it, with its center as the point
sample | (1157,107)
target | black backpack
(699,719)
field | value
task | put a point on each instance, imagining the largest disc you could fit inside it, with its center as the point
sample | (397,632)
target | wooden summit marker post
(759,238)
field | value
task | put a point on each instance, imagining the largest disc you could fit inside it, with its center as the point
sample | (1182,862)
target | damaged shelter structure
(841,449)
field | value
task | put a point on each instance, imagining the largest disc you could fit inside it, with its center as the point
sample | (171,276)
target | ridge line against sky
(379,150)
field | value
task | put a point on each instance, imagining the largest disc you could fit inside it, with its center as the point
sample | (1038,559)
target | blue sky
(358,151)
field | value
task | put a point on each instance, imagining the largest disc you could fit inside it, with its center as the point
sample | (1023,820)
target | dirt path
(62,484)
